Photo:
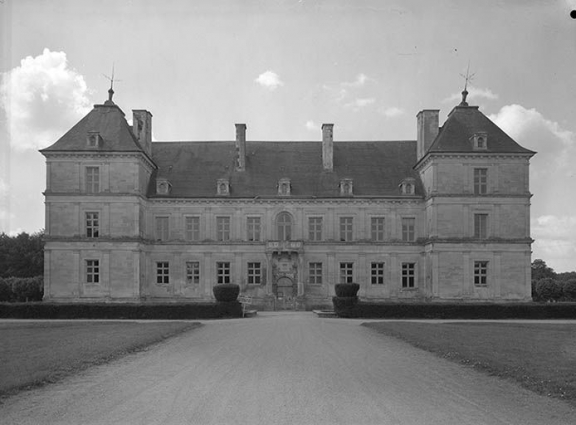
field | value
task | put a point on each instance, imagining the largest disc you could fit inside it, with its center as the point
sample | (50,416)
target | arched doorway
(286,292)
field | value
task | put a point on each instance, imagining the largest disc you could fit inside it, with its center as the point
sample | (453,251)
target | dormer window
(93,140)
(284,187)
(223,187)
(408,186)
(346,187)
(480,141)
(163,186)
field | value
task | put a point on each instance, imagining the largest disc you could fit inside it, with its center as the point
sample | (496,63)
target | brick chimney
(142,128)
(328,146)
(240,147)
(427,130)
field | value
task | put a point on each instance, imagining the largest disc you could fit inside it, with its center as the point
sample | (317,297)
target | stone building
(445,217)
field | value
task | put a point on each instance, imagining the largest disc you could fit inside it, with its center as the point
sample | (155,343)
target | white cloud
(357,104)
(391,112)
(43,98)
(555,241)
(270,80)
(312,126)
(473,93)
(360,80)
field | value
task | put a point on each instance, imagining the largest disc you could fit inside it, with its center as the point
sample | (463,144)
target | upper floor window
(346,272)
(253,228)
(315,228)
(480,181)
(92,225)
(162,229)
(192,228)
(346,229)
(92,179)
(223,229)
(481,226)
(408,275)
(377,229)
(284,226)
(408,229)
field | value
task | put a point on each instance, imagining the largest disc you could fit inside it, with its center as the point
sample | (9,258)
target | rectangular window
(162,272)
(480,273)
(480,181)
(377,229)
(377,274)
(315,228)
(192,272)
(92,179)
(481,226)
(223,272)
(408,274)
(92,271)
(192,228)
(315,273)
(92,225)
(254,274)
(162,229)
(408,229)
(346,272)
(223,229)
(346,229)
(253,226)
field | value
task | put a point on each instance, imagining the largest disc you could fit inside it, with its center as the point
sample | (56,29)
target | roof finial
(467,78)
(111,89)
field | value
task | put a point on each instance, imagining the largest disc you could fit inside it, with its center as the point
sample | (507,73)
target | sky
(284,67)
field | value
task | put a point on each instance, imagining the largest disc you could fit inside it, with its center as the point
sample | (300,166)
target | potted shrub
(226,292)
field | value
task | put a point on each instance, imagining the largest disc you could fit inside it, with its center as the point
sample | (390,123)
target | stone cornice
(483,197)
(475,241)
(283,201)
(430,156)
(101,155)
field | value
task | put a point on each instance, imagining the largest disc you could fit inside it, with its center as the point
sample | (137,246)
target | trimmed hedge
(226,292)
(45,310)
(346,289)
(456,311)
(21,289)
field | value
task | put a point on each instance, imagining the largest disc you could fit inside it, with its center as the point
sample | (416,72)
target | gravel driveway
(283,368)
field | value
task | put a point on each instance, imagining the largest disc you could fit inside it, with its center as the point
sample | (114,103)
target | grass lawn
(538,356)
(33,353)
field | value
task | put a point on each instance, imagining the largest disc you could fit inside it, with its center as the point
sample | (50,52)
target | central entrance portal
(285,279)
(286,293)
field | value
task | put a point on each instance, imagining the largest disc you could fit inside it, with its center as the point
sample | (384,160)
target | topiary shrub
(548,290)
(569,289)
(346,289)
(345,306)
(226,292)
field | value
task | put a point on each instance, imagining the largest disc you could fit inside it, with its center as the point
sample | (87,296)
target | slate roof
(109,120)
(460,126)
(193,168)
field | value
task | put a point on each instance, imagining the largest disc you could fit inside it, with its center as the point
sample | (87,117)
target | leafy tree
(22,255)
(548,290)
(541,271)
(564,276)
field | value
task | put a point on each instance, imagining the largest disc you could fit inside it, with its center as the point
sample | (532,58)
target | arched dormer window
(408,186)
(284,187)
(94,139)
(223,187)
(346,187)
(284,226)
(163,186)
(479,141)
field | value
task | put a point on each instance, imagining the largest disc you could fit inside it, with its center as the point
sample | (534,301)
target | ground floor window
(223,272)
(162,272)
(92,271)
(346,272)
(254,274)
(315,273)
(192,272)
(408,275)
(480,273)
(377,275)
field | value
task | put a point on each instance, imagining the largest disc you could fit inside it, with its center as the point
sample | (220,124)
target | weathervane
(111,89)
(467,79)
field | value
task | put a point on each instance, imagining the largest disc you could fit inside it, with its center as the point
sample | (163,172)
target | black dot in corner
(573,14)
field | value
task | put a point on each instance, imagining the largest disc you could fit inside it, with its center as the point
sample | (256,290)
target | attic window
(284,187)
(480,141)
(408,186)
(163,186)
(346,187)
(223,187)
(93,140)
